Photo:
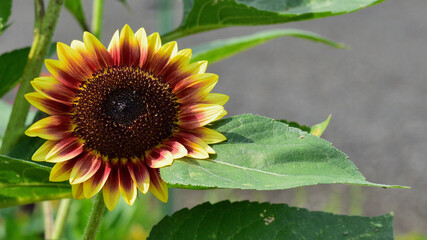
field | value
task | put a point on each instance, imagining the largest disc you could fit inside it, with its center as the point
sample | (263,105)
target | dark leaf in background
(12,65)
(252,220)
(5,11)
(75,7)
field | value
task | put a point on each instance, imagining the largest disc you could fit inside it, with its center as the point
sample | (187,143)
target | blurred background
(375,91)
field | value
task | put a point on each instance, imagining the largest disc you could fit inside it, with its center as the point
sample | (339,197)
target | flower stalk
(44,28)
(94,218)
(61,217)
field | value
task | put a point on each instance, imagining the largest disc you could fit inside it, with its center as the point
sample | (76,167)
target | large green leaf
(23,182)
(5,11)
(204,15)
(224,48)
(12,65)
(251,220)
(75,7)
(264,154)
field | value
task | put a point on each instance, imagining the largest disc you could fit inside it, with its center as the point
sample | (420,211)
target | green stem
(97,13)
(48,219)
(94,218)
(61,217)
(43,32)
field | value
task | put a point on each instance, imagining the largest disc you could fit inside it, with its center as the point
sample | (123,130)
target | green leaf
(303,128)
(12,65)
(75,7)
(5,11)
(264,154)
(23,182)
(252,220)
(204,15)
(318,129)
(224,48)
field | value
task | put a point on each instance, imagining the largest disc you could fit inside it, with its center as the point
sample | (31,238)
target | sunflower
(120,114)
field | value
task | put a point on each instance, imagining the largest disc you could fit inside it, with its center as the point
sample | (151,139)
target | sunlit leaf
(224,48)
(75,7)
(23,182)
(251,220)
(264,154)
(204,15)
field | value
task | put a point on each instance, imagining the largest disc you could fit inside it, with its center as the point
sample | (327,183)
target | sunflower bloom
(117,115)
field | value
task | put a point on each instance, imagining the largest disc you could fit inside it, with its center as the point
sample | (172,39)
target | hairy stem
(44,28)
(94,218)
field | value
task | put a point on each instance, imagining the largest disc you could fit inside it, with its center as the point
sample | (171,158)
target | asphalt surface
(375,91)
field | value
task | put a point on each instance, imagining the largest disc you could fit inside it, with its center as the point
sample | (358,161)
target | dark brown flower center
(124,111)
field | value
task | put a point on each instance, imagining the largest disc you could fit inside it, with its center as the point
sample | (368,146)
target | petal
(198,144)
(153,45)
(41,153)
(114,48)
(64,150)
(85,168)
(157,186)
(139,174)
(51,88)
(198,115)
(77,190)
(215,98)
(141,37)
(195,88)
(111,191)
(186,71)
(181,58)
(73,61)
(47,105)
(80,47)
(51,128)
(127,186)
(162,57)
(194,150)
(208,135)
(221,115)
(176,149)
(158,158)
(61,171)
(98,54)
(129,48)
(56,68)
(94,184)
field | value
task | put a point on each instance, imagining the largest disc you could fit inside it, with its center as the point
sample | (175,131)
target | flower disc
(120,114)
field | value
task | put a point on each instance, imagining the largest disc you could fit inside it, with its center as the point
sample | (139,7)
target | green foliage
(75,7)
(318,129)
(5,11)
(251,220)
(204,15)
(219,50)
(264,154)
(12,65)
(23,182)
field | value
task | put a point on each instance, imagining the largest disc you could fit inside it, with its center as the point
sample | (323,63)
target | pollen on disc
(124,111)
